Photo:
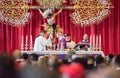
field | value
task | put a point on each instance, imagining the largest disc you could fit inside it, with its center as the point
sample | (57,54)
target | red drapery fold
(109,28)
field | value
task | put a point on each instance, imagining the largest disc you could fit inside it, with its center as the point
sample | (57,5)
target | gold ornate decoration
(89,12)
(51,3)
(14,12)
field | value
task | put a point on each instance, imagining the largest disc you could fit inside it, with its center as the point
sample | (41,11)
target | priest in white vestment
(70,44)
(41,42)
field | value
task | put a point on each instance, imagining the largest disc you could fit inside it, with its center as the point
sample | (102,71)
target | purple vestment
(62,44)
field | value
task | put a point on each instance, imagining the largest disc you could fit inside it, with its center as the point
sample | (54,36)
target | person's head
(117,60)
(17,54)
(36,72)
(24,56)
(85,37)
(90,60)
(70,53)
(53,59)
(7,66)
(81,60)
(53,62)
(107,72)
(99,59)
(68,37)
(109,57)
(74,70)
(43,61)
(34,57)
(43,33)
(60,34)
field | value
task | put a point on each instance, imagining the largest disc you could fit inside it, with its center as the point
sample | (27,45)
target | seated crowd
(50,66)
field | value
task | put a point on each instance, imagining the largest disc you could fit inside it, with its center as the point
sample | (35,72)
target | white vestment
(71,44)
(41,43)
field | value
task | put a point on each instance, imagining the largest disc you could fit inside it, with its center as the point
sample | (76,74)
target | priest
(62,42)
(70,44)
(85,41)
(41,42)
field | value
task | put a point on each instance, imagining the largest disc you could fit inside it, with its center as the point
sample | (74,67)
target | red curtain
(109,28)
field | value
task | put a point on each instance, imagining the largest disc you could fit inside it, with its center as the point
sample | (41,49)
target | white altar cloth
(64,52)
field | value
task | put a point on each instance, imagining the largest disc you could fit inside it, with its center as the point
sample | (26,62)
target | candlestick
(22,44)
(31,45)
(93,42)
(100,44)
(26,45)
(96,43)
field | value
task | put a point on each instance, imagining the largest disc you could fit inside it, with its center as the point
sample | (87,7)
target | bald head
(85,37)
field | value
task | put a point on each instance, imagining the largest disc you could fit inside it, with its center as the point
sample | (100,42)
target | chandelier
(51,3)
(89,12)
(13,12)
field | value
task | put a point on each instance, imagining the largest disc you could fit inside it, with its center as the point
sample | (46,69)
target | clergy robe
(62,44)
(41,43)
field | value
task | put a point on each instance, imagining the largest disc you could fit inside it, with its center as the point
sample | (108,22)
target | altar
(62,54)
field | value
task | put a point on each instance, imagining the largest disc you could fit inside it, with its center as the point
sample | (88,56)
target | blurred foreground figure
(17,56)
(36,72)
(74,70)
(109,58)
(34,59)
(7,67)
(54,64)
(69,55)
(43,62)
(106,72)
(25,60)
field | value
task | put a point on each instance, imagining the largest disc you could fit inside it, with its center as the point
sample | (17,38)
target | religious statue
(51,26)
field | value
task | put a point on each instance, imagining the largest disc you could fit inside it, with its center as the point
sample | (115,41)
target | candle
(93,40)
(26,42)
(96,40)
(22,44)
(100,40)
(31,39)
(31,42)
(90,39)
(100,44)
